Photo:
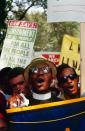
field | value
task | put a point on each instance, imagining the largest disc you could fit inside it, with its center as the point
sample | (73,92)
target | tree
(18,8)
(50,35)
(62,28)
(2,12)
(2,21)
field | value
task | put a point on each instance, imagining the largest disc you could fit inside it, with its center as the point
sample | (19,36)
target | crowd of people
(40,82)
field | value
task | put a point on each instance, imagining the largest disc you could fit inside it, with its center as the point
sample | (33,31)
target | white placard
(18,45)
(66,10)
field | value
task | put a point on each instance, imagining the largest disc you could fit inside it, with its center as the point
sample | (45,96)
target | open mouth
(40,80)
(70,87)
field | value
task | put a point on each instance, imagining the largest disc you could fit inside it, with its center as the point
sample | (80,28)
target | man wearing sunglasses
(40,74)
(68,81)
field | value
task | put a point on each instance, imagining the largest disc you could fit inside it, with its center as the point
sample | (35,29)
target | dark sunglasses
(45,69)
(64,79)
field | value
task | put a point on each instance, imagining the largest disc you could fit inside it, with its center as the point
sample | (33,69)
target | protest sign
(70,52)
(51,56)
(66,10)
(18,45)
(68,115)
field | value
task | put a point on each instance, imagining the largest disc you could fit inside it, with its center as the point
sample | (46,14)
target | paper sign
(52,57)
(70,52)
(18,45)
(66,10)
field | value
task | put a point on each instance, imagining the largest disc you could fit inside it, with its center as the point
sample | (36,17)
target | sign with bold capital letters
(18,45)
(52,57)
(70,52)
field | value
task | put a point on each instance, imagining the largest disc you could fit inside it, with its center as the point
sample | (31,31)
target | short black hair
(60,69)
(15,72)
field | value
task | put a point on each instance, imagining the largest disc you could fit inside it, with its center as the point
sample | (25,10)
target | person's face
(69,82)
(18,84)
(41,78)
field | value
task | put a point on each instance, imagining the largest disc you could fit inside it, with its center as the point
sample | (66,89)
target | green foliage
(49,36)
(18,8)
(2,12)
(62,28)
(2,20)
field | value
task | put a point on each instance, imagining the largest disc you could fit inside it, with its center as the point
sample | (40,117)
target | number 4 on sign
(71,47)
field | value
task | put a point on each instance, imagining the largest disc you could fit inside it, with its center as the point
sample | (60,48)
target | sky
(35,9)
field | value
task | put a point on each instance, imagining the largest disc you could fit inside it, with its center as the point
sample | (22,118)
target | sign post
(82,47)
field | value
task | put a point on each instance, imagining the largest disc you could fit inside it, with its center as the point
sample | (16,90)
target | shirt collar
(42,96)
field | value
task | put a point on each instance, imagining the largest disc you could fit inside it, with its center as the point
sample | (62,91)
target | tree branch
(22,16)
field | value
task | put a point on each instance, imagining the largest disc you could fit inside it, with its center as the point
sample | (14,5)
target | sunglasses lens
(65,78)
(72,76)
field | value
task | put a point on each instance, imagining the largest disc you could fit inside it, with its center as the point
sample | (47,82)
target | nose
(40,72)
(69,80)
(18,87)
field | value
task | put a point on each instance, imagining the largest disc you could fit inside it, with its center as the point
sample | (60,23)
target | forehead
(17,79)
(39,65)
(67,71)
